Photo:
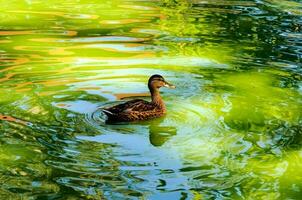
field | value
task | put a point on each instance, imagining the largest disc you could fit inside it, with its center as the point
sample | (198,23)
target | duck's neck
(156,98)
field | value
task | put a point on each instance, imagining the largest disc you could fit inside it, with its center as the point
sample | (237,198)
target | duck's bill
(169,85)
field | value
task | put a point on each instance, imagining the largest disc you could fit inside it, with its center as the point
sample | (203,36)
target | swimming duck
(138,109)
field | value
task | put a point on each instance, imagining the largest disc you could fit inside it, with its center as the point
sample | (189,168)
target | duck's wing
(139,106)
(130,106)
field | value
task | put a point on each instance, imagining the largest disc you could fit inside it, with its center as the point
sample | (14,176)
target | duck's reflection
(158,134)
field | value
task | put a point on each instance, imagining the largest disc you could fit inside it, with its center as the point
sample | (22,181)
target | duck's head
(157,81)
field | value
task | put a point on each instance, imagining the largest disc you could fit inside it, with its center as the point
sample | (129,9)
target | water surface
(234,123)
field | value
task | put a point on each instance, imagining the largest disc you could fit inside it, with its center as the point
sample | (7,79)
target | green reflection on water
(233,128)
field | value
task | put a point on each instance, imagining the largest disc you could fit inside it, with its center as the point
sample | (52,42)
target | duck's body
(139,109)
(134,110)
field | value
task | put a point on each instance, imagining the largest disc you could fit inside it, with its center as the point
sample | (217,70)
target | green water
(234,124)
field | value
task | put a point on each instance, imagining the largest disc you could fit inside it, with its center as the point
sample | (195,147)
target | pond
(234,124)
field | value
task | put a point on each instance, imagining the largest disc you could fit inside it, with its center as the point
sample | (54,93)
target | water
(234,123)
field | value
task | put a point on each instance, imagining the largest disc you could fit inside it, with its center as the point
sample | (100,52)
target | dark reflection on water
(158,135)
(233,127)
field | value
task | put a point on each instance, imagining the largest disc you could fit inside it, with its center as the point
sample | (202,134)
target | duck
(139,109)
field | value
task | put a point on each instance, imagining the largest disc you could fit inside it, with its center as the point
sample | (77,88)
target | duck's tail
(110,116)
(108,113)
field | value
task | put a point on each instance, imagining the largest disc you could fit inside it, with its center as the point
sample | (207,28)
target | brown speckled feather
(133,105)
(134,110)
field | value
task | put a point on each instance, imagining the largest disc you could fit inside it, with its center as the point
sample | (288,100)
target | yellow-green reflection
(233,128)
